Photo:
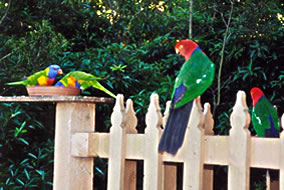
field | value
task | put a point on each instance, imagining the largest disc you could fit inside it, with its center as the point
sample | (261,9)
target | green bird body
(45,77)
(82,80)
(195,76)
(264,116)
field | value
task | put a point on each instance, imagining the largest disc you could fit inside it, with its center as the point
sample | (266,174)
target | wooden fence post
(130,121)
(152,159)
(117,147)
(193,149)
(239,145)
(208,169)
(72,173)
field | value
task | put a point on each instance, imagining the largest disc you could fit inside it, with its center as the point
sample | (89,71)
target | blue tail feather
(173,135)
(272,131)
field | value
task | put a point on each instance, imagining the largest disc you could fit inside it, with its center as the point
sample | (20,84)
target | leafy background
(130,44)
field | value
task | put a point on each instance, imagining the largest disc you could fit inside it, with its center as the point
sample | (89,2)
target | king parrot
(264,116)
(45,77)
(194,77)
(82,80)
(264,120)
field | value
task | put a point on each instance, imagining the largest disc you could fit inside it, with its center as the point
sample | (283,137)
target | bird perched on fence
(194,77)
(264,116)
(82,80)
(264,120)
(45,77)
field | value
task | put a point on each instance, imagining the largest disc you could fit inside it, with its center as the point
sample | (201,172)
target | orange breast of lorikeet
(44,81)
(71,81)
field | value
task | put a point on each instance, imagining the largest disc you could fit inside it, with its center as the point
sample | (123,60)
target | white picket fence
(76,143)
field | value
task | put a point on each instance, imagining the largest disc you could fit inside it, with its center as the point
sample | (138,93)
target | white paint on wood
(193,143)
(152,159)
(208,172)
(130,122)
(117,146)
(239,145)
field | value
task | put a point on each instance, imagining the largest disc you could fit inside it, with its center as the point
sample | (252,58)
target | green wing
(195,76)
(264,115)
(31,80)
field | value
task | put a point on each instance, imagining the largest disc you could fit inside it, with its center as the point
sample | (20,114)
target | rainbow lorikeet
(264,116)
(82,80)
(45,77)
(194,77)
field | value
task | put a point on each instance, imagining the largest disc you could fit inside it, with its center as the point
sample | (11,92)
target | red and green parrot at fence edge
(264,116)
(82,80)
(264,120)
(45,77)
(195,76)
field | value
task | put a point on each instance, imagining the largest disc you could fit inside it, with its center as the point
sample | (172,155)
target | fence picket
(130,122)
(193,143)
(208,126)
(239,145)
(117,146)
(153,160)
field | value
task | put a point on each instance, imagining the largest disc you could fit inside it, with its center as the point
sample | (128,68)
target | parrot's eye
(180,47)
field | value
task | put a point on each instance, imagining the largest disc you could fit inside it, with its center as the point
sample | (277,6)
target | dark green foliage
(130,45)
(26,146)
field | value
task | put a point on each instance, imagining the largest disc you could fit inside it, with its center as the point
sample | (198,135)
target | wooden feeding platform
(62,99)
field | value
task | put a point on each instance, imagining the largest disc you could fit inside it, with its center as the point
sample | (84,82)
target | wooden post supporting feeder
(72,118)
(73,114)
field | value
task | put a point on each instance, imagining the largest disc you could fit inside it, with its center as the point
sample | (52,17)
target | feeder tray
(52,91)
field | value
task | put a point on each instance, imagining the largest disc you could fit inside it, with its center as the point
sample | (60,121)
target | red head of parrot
(186,48)
(256,94)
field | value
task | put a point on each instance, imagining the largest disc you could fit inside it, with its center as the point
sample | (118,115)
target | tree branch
(190,20)
(4,57)
(222,54)
(4,16)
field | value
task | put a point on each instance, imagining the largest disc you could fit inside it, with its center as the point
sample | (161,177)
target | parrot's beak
(177,51)
(60,72)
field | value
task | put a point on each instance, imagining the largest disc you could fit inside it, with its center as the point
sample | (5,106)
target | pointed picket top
(196,116)
(118,111)
(209,121)
(240,116)
(154,116)
(166,113)
(130,119)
